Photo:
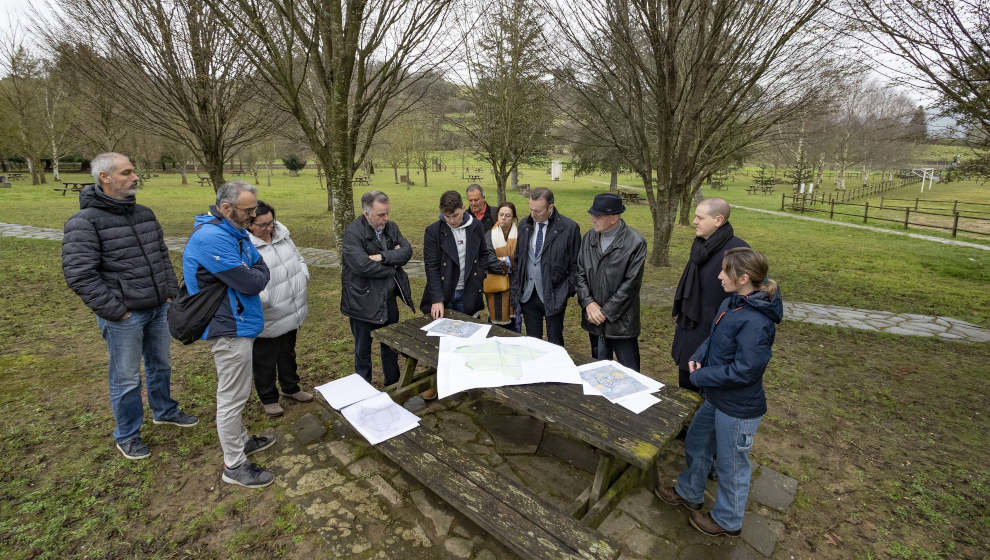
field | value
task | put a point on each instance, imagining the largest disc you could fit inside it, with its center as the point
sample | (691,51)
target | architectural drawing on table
(612,382)
(494,357)
(453,327)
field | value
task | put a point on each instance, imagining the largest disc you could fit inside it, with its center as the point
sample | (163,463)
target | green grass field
(886,434)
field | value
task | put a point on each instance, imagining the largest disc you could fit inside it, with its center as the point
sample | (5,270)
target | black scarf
(687,299)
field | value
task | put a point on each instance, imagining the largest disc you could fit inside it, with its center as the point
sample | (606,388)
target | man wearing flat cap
(609,276)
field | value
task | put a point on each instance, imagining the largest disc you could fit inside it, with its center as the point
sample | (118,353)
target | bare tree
(682,86)
(21,97)
(942,46)
(343,69)
(176,71)
(505,83)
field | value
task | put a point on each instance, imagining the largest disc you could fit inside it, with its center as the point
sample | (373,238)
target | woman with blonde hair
(502,240)
(728,367)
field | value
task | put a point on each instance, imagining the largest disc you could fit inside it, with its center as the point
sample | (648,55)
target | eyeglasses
(250,210)
(265,225)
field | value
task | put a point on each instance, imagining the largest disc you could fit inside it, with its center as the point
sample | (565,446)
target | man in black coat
(456,259)
(114,257)
(546,266)
(699,292)
(371,274)
(610,274)
(479,207)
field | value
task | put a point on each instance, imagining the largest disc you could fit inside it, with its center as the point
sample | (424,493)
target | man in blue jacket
(219,250)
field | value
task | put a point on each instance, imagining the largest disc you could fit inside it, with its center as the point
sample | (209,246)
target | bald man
(699,292)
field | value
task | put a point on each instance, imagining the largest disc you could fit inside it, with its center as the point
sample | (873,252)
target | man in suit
(546,266)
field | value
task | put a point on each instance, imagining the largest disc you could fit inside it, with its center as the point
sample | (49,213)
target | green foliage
(294,163)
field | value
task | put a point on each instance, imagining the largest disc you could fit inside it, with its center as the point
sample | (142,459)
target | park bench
(521,521)
(523,189)
(362,180)
(632,197)
(474,178)
(628,444)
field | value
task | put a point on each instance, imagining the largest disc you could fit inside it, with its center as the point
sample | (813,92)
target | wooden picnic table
(628,444)
(71,186)
(203,181)
(362,180)
(631,197)
(474,177)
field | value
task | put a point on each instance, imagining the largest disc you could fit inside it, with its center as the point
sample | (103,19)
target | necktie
(539,240)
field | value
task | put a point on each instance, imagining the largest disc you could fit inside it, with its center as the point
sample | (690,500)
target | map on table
(620,385)
(612,382)
(499,361)
(455,328)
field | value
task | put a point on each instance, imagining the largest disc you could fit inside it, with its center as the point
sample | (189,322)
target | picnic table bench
(203,181)
(71,186)
(631,197)
(526,524)
(628,444)
(362,180)
(474,177)
(763,189)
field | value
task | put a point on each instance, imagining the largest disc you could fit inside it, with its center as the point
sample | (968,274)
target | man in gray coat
(114,257)
(610,274)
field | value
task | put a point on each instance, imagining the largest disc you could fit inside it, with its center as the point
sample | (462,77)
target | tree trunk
(182,172)
(613,181)
(32,171)
(395,172)
(425,179)
(55,173)
(685,203)
(515,179)
(501,178)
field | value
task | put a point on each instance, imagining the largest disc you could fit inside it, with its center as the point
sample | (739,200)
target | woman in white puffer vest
(284,304)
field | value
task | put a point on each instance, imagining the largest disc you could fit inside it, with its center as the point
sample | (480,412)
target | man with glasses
(219,250)
(114,257)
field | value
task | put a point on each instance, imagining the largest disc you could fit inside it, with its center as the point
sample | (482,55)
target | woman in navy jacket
(728,367)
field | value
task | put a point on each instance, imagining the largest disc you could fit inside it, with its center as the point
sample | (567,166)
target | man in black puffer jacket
(114,257)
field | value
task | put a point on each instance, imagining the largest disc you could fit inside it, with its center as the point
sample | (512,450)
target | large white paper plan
(637,402)
(379,418)
(615,381)
(499,361)
(458,329)
(346,391)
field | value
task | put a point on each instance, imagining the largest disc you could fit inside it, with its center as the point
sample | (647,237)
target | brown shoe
(668,495)
(273,409)
(429,395)
(704,523)
(300,396)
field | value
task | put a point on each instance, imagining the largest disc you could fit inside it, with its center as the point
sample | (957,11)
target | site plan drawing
(379,418)
(612,382)
(455,328)
(499,361)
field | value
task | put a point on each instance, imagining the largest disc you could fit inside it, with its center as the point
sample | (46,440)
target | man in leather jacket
(371,274)
(610,274)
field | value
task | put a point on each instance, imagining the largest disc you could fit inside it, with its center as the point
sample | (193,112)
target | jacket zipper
(154,283)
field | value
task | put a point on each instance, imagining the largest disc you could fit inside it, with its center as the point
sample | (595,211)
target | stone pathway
(908,324)
(364,506)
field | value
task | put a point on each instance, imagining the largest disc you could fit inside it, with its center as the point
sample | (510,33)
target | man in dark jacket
(610,274)
(456,259)
(114,257)
(546,266)
(374,252)
(479,207)
(220,250)
(699,292)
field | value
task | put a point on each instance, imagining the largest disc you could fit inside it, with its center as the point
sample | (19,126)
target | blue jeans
(457,304)
(144,333)
(715,433)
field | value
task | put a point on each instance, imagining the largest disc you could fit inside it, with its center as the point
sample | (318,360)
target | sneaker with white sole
(134,449)
(248,475)
(180,419)
(255,444)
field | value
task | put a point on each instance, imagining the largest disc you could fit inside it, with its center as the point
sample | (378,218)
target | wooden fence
(885,212)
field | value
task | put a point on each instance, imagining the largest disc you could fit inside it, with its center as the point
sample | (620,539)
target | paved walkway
(908,324)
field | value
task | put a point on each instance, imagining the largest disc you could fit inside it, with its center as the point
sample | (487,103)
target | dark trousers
(623,350)
(533,316)
(275,357)
(362,346)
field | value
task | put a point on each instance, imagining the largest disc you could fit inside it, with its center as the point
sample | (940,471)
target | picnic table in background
(362,180)
(474,177)
(203,181)
(628,444)
(630,196)
(73,186)
(15,176)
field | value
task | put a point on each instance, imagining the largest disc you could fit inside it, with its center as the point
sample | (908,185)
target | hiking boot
(178,419)
(300,396)
(255,444)
(704,523)
(274,409)
(134,449)
(668,495)
(248,475)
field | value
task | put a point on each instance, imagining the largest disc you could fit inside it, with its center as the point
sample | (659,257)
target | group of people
(525,271)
